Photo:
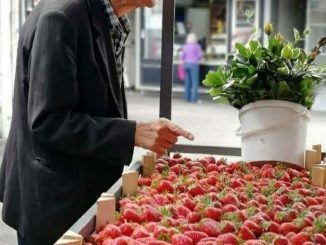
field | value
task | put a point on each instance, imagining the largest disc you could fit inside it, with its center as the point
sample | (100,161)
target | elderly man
(69,136)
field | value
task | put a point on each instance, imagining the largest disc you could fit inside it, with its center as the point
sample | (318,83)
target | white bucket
(273,130)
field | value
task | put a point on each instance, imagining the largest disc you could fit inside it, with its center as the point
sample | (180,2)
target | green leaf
(284,71)
(284,91)
(273,45)
(287,52)
(295,53)
(297,35)
(251,70)
(254,45)
(215,92)
(243,50)
(307,32)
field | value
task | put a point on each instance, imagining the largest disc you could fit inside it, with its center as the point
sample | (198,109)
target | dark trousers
(20,240)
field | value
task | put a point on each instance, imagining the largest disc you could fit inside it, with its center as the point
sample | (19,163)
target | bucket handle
(239,132)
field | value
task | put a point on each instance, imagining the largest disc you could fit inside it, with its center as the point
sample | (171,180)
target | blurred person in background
(69,137)
(191,56)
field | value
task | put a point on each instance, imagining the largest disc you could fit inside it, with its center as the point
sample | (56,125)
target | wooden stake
(317,148)
(69,235)
(129,182)
(148,164)
(63,241)
(105,212)
(105,194)
(318,175)
(310,159)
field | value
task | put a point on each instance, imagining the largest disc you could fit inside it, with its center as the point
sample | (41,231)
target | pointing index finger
(179,131)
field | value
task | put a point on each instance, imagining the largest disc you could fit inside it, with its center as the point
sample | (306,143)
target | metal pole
(229,6)
(167,58)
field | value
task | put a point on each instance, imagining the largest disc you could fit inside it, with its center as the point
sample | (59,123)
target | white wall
(8,43)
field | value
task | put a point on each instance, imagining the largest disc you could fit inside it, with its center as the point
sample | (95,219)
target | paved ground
(211,123)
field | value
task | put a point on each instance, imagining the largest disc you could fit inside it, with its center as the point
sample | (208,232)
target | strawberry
(140,232)
(196,190)
(187,202)
(267,173)
(172,162)
(126,229)
(254,227)
(212,213)
(180,239)
(144,182)
(227,238)
(230,199)
(274,227)
(165,186)
(289,227)
(319,238)
(212,180)
(211,167)
(176,169)
(210,159)
(157,242)
(196,236)
(281,240)
(300,238)
(181,211)
(161,232)
(193,217)
(210,227)
(229,208)
(254,242)
(131,216)
(246,234)
(150,214)
(161,200)
(176,155)
(226,226)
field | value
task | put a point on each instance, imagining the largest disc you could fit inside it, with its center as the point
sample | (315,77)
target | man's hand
(159,135)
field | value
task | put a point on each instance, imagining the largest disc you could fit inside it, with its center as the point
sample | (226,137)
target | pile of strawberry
(209,202)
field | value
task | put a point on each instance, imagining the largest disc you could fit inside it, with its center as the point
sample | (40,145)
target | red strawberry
(160,232)
(274,227)
(289,227)
(249,177)
(196,236)
(255,228)
(210,159)
(180,239)
(181,211)
(212,180)
(131,216)
(211,167)
(165,186)
(157,242)
(267,173)
(210,227)
(161,199)
(230,199)
(196,190)
(193,217)
(140,232)
(254,242)
(144,182)
(176,168)
(319,239)
(127,229)
(300,238)
(281,240)
(110,231)
(177,155)
(229,208)
(226,226)
(151,214)
(172,162)
(212,213)
(246,234)
(204,162)
(187,202)
(227,238)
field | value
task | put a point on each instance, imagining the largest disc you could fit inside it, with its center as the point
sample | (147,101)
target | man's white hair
(192,38)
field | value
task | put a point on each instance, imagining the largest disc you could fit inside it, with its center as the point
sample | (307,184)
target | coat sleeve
(53,115)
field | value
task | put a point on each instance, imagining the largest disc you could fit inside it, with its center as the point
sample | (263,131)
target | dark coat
(68,140)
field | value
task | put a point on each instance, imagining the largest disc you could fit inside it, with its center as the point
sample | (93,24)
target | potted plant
(274,88)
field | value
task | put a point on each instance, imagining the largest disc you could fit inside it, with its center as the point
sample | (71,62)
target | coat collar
(101,34)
